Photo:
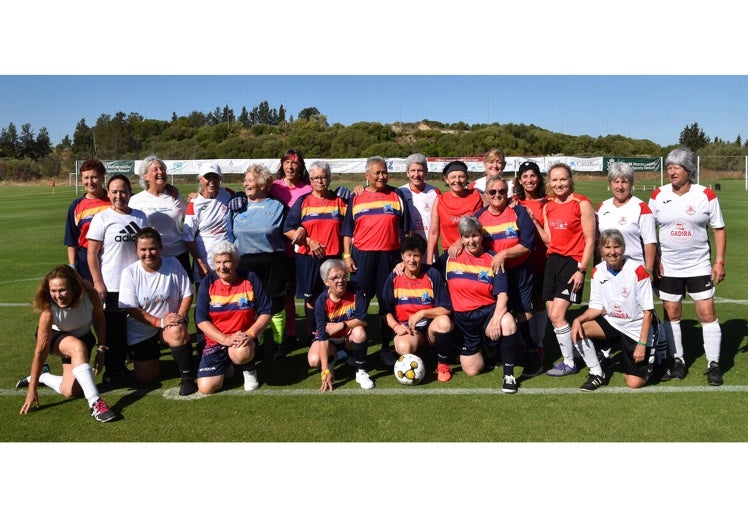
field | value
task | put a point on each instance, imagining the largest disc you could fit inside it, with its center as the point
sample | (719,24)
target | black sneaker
(678,369)
(532,369)
(387,356)
(593,382)
(101,412)
(24,382)
(187,387)
(713,374)
(509,385)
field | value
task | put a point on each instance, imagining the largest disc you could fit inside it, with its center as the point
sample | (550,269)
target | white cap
(210,167)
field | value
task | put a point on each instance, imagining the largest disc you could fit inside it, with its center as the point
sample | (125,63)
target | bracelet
(346,255)
(73,265)
(640,343)
(345,325)
(649,270)
(251,334)
(162,323)
(721,262)
(582,270)
(102,348)
(325,372)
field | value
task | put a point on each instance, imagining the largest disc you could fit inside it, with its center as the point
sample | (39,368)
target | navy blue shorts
(373,268)
(309,284)
(472,325)
(520,283)
(214,361)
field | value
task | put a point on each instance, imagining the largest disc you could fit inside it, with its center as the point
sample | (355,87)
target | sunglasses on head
(493,192)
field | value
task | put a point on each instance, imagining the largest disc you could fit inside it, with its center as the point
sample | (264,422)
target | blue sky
(648,107)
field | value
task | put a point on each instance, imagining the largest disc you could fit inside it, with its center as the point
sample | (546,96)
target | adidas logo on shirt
(127,234)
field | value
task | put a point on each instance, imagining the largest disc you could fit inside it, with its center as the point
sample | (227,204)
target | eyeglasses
(318,179)
(493,192)
(338,278)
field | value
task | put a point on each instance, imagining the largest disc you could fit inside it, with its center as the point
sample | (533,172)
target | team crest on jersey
(624,292)
(690,210)
(622,221)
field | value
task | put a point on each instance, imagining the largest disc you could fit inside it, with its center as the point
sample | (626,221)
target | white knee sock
(587,349)
(674,340)
(712,340)
(51,381)
(85,377)
(563,336)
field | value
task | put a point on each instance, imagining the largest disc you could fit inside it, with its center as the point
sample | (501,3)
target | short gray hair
(613,235)
(621,170)
(469,224)
(224,247)
(330,264)
(144,169)
(685,158)
(417,158)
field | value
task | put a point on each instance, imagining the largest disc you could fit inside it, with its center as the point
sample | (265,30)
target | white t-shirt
(420,203)
(623,297)
(683,221)
(166,216)
(634,220)
(156,293)
(207,223)
(480,185)
(74,320)
(116,232)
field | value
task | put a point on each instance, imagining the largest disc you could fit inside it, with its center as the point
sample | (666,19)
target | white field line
(173,393)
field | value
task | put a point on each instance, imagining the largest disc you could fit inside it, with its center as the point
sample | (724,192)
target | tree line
(265,132)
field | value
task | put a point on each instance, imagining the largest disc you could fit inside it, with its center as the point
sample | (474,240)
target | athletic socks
(278,326)
(359,354)
(53,382)
(531,343)
(587,349)
(443,346)
(674,340)
(712,334)
(185,362)
(563,336)
(509,350)
(85,377)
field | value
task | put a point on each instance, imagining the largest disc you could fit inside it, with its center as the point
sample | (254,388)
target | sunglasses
(493,192)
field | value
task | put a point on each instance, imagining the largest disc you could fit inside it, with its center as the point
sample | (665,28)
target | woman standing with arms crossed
(684,212)
(111,248)
(569,232)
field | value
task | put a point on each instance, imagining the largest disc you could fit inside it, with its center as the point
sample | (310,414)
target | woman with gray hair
(256,229)
(631,216)
(684,211)
(232,311)
(418,195)
(165,209)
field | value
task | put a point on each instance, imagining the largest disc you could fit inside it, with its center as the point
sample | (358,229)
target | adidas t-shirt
(116,232)
(165,215)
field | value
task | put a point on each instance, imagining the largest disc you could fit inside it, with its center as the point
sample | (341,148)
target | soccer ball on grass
(409,369)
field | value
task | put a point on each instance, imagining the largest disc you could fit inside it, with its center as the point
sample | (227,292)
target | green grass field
(289,408)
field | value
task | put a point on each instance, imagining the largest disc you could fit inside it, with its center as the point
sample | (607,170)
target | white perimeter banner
(394,165)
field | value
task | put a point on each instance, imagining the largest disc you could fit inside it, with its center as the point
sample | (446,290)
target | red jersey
(322,218)
(80,213)
(507,229)
(450,209)
(375,220)
(351,306)
(404,296)
(565,224)
(471,281)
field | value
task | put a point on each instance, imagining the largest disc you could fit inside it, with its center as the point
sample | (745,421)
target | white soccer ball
(409,369)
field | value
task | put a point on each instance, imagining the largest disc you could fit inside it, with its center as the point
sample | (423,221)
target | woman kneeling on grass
(232,311)
(340,313)
(621,310)
(69,306)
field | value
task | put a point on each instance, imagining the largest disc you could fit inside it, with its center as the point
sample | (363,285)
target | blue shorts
(373,268)
(520,282)
(309,284)
(214,361)
(472,325)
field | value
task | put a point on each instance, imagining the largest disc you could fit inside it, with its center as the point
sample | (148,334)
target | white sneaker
(250,380)
(362,377)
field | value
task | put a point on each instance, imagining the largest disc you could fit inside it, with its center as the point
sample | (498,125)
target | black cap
(526,166)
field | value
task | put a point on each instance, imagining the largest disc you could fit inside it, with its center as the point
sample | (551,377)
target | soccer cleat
(713,374)
(187,387)
(101,412)
(533,367)
(678,369)
(561,370)
(510,384)
(593,382)
(387,356)
(363,379)
(443,372)
(250,380)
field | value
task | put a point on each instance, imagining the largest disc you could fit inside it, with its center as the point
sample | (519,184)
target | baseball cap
(211,167)
(527,165)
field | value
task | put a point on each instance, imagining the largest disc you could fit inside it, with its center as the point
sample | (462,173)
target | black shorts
(673,289)
(520,284)
(270,268)
(88,339)
(558,270)
(614,337)
(148,349)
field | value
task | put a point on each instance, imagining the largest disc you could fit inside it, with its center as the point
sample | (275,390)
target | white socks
(563,336)
(712,334)
(587,349)
(85,377)
(674,340)
(51,381)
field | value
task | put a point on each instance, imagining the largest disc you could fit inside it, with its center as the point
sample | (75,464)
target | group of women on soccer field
(473,272)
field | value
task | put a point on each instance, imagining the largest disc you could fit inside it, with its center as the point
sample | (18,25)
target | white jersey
(116,232)
(420,204)
(622,297)
(207,223)
(156,293)
(683,222)
(166,216)
(634,220)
